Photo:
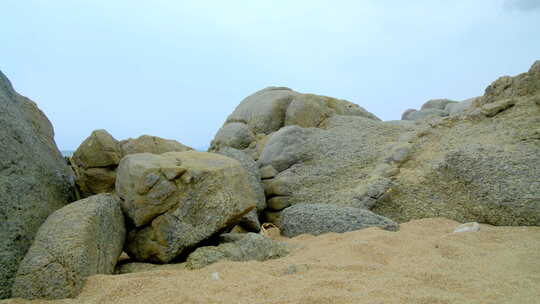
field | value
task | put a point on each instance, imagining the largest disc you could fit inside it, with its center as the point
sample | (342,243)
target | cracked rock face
(178,199)
(81,239)
(34,178)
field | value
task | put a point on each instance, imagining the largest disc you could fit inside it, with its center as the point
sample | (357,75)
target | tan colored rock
(178,199)
(81,239)
(151,144)
(97,158)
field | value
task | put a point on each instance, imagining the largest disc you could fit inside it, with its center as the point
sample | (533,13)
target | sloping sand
(422,263)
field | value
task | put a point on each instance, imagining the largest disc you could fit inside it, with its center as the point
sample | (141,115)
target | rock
(235,135)
(279,203)
(525,84)
(96,159)
(456,108)
(268,172)
(270,109)
(151,144)
(250,221)
(254,175)
(468,227)
(95,162)
(34,178)
(332,164)
(99,150)
(246,247)
(263,111)
(285,148)
(178,199)
(406,115)
(317,219)
(437,104)
(77,241)
(427,113)
(483,166)
(307,111)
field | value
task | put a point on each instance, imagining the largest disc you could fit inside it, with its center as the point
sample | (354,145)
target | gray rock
(264,111)
(250,221)
(240,248)
(254,175)
(427,113)
(317,219)
(178,199)
(406,114)
(77,241)
(482,168)
(456,108)
(285,148)
(235,135)
(34,178)
(436,104)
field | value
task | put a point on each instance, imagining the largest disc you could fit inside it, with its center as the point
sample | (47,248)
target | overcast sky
(176,69)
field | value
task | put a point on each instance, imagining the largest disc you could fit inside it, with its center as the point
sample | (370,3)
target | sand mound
(422,263)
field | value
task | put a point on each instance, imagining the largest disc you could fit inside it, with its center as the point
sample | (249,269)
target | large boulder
(317,219)
(151,144)
(176,200)
(34,178)
(251,220)
(81,239)
(238,247)
(481,166)
(96,159)
(437,104)
(270,109)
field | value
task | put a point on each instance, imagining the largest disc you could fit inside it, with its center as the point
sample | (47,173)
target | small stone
(468,227)
(215,276)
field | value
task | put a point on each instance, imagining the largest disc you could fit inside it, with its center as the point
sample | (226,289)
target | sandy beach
(422,263)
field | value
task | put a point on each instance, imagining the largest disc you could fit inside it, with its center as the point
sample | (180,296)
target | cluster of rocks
(306,163)
(438,108)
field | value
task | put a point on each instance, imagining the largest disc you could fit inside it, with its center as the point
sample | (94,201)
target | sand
(422,263)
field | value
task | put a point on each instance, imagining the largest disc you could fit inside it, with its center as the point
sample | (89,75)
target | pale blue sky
(176,69)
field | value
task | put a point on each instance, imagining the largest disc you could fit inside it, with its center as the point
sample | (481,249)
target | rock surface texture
(176,200)
(317,219)
(34,178)
(238,247)
(482,165)
(96,159)
(77,241)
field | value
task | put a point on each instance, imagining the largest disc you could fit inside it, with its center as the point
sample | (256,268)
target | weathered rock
(406,114)
(151,144)
(96,159)
(236,135)
(240,248)
(285,148)
(254,175)
(99,150)
(317,219)
(270,109)
(427,113)
(455,108)
(250,221)
(178,199)
(77,241)
(437,104)
(331,164)
(34,178)
(483,166)
(525,84)
(468,227)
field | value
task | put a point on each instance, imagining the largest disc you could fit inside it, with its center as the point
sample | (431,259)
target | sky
(177,69)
